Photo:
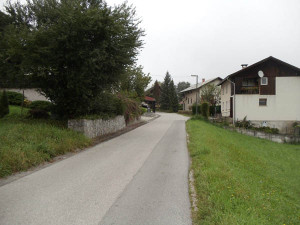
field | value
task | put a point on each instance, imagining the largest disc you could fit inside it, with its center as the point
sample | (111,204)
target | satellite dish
(260,73)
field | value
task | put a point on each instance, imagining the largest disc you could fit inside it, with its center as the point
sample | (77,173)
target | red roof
(147,98)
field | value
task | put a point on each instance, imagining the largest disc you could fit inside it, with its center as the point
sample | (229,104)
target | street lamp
(196,93)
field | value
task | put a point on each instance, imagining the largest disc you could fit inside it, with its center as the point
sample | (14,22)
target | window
(222,106)
(249,82)
(191,100)
(188,101)
(226,105)
(226,89)
(264,81)
(262,102)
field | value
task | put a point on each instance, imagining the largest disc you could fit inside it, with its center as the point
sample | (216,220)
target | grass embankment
(241,179)
(27,142)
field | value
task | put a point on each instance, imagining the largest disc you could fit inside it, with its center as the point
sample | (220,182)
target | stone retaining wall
(99,127)
(280,138)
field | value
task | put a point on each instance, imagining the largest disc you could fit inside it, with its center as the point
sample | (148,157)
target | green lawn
(26,142)
(241,179)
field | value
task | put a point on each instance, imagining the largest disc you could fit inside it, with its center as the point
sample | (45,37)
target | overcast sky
(214,37)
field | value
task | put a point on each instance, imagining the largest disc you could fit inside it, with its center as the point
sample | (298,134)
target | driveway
(140,177)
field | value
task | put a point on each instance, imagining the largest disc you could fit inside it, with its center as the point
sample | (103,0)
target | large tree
(173,97)
(168,97)
(134,81)
(211,94)
(165,93)
(156,92)
(75,49)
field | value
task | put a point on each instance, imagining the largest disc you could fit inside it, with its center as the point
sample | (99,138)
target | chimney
(244,66)
(203,80)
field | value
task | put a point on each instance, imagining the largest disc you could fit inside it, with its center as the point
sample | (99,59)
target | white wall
(225,98)
(284,106)
(31,94)
(189,99)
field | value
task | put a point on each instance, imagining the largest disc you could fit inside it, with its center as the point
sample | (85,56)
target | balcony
(250,90)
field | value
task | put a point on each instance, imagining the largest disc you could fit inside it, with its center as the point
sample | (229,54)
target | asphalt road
(138,178)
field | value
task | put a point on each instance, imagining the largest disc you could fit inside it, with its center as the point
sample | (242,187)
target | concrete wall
(282,109)
(94,128)
(31,94)
(279,138)
(225,98)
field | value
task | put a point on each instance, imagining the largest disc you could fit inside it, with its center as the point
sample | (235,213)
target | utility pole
(196,93)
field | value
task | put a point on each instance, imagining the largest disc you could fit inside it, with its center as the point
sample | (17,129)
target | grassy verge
(241,179)
(27,142)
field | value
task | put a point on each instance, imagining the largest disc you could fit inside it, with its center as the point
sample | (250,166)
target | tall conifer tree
(165,93)
(173,97)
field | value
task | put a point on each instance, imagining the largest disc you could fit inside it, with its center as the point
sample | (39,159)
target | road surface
(138,178)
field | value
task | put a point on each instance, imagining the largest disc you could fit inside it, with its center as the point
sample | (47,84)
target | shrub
(119,105)
(213,110)
(42,105)
(38,114)
(180,107)
(144,110)
(205,109)
(132,108)
(14,98)
(4,107)
(244,123)
(194,109)
(267,130)
(218,109)
(185,112)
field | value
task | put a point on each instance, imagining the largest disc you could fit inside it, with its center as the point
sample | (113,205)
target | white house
(267,93)
(190,94)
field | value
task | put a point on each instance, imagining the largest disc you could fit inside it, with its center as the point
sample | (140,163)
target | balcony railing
(250,90)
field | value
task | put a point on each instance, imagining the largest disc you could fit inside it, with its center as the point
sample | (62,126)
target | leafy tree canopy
(75,49)
(181,86)
(211,94)
(134,81)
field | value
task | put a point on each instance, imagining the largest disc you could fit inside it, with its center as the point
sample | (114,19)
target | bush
(144,110)
(213,110)
(15,98)
(244,123)
(194,109)
(42,105)
(180,107)
(132,108)
(267,130)
(38,114)
(205,109)
(4,107)
(218,109)
(185,112)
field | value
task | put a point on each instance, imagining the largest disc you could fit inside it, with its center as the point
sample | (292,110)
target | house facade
(267,93)
(190,94)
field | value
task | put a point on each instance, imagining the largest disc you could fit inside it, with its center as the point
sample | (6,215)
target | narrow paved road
(138,178)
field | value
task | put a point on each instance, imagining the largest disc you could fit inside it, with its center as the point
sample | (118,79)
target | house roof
(201,84)
(150,99)
(258,63)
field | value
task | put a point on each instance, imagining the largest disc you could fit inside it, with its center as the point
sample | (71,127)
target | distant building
(191,92)
(267,93)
